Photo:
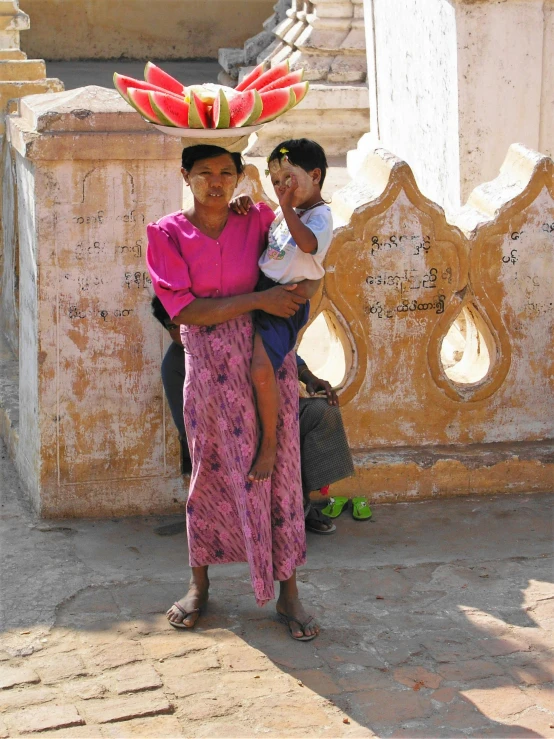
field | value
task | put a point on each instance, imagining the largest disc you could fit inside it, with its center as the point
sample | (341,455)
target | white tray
(208,133)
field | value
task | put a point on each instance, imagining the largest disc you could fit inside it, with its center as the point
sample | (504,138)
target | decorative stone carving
(95,438)
(19,76)
(326,39)
(12,21)
(398,277)
(233,59)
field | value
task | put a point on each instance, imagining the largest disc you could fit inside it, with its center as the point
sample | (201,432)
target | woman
(204,268)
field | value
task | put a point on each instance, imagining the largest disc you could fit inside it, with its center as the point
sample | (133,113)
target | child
(297,243)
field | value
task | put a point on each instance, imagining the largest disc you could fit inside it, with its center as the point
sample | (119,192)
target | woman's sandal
(335,507)
(186,614)
(288,620)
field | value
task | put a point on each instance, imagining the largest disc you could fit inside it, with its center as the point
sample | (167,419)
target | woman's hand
(281,300)
(308,288)
(241,204)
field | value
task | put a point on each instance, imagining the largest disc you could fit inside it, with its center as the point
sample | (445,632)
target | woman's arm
(279,301)
(307,288)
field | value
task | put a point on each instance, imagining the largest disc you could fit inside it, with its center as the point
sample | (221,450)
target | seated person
(173,379)
(325,456)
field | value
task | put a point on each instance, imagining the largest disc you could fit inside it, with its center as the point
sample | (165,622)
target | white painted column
(453,83)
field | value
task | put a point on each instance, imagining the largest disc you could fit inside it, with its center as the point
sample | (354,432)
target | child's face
(308,182)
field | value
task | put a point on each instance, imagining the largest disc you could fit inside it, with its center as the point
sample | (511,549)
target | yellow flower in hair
(282,150)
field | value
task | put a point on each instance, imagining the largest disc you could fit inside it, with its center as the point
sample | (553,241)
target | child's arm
(241,204)
(304,238)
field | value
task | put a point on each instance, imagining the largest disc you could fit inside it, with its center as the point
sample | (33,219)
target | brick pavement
(425,632)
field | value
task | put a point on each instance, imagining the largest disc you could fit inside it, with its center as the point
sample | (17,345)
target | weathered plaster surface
(397,277)
(93,421)
(140,29)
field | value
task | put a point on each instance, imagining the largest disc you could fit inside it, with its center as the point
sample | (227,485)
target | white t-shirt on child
(283,261)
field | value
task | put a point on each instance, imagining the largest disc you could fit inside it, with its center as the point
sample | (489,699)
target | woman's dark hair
(303,153)
(192,154)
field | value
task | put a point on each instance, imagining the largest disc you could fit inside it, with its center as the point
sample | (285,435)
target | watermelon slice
(252,77)
(270,76)
(141,102)
(275,103)
(289,79)
(199,113)
(245,108)
(300,90)
(172,110)
(209,91)
(221,115)
(122,83)
(158,77)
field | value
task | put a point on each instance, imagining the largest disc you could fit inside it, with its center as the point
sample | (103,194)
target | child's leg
(267,400)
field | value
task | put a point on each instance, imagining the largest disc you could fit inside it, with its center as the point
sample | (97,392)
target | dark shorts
(278,334)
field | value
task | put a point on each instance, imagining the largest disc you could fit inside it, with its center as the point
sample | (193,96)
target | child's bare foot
(265,461)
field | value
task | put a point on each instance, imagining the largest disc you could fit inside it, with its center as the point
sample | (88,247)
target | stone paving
(437,622)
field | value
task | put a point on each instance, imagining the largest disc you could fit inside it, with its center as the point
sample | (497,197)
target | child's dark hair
(193,154)
(303,153)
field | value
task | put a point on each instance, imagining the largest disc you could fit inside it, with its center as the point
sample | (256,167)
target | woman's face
(212,181)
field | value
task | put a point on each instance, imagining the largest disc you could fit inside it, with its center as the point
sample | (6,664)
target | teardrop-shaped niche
(468,350)
(323,348)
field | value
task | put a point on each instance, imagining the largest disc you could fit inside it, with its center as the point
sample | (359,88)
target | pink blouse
(186,264)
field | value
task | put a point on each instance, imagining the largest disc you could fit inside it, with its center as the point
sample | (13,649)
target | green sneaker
(360,509)
(335,507)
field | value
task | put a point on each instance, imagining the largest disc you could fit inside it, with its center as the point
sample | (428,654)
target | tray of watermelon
(211,111)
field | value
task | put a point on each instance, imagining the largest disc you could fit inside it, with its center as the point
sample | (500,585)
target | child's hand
(241,204)
(286,193)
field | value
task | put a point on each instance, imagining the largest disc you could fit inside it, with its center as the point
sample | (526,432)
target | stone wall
(95,436)
(447,329)
(140,29)
(442,330)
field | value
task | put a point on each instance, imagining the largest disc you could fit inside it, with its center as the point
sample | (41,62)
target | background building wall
(139,29)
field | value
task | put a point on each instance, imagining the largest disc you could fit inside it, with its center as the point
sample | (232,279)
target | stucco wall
(139,29)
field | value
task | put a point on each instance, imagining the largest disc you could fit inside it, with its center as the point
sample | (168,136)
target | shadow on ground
(437,622)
